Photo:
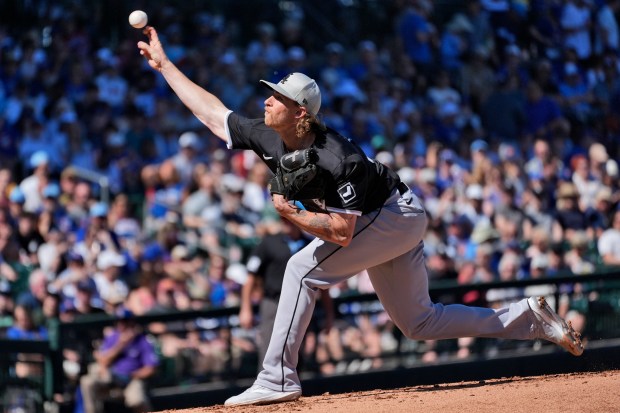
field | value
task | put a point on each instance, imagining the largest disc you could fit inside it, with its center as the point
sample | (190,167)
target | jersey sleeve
(351,185)
(253,134)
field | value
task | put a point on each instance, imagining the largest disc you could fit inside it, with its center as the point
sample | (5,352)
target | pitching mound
(579,392)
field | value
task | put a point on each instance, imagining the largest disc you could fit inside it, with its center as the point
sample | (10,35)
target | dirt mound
(578,392)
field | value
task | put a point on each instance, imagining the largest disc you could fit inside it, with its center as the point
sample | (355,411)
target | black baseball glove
(295,172)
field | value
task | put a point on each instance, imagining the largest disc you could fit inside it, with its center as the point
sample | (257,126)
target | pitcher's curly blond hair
(309,124)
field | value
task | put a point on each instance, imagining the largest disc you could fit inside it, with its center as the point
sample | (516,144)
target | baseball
(138,19)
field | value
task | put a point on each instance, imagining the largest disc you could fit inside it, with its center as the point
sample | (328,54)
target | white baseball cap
(300,88)
(109,258)
(189,139)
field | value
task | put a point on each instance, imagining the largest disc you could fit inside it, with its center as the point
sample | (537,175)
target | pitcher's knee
(417,333)
(420,328)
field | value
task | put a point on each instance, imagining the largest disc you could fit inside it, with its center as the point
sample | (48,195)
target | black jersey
(354,183)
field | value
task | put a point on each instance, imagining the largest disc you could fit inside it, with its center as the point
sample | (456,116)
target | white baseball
(138,19)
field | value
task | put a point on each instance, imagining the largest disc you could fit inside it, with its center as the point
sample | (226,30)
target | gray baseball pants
(387,243)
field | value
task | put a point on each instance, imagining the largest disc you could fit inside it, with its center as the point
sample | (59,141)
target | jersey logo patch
(346,192)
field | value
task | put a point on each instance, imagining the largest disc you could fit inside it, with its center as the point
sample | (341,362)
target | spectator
(599,215)
(65,284)
(95,235)
(606,36)
(542,114)
(265,48)
(112,86)
(112,289)
(477,78)
(126,359)
(576,21)
(578,257)
(575,96)
(454,43)
(6,186)
(569,217)
(255,193)
(188,156)
(417,35)
(609,242)
(33,185)
(29,238)
(25,328)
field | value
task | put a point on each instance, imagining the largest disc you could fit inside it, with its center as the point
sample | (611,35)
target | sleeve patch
(347,193)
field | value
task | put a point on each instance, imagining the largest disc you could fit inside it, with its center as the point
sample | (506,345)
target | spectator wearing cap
(597,157)
(188,157)
(86,300)
(126,359)
(447,129)
(609,242)
(238,219)
(66,283)
(599,215)
(569,217)
(32,185)
(472,208)
(112,289)
(96,235)
(53,215)
(479,158)
(579,258)
(538,269)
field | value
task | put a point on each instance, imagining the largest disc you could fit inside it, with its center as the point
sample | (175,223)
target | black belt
(402,188)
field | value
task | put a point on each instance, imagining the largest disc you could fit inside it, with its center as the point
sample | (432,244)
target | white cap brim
(274,86)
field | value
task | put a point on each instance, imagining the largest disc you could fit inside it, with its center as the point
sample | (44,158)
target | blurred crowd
(501,115)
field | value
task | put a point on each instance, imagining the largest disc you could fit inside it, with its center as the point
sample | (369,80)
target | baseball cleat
(554,328)
(262,395)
